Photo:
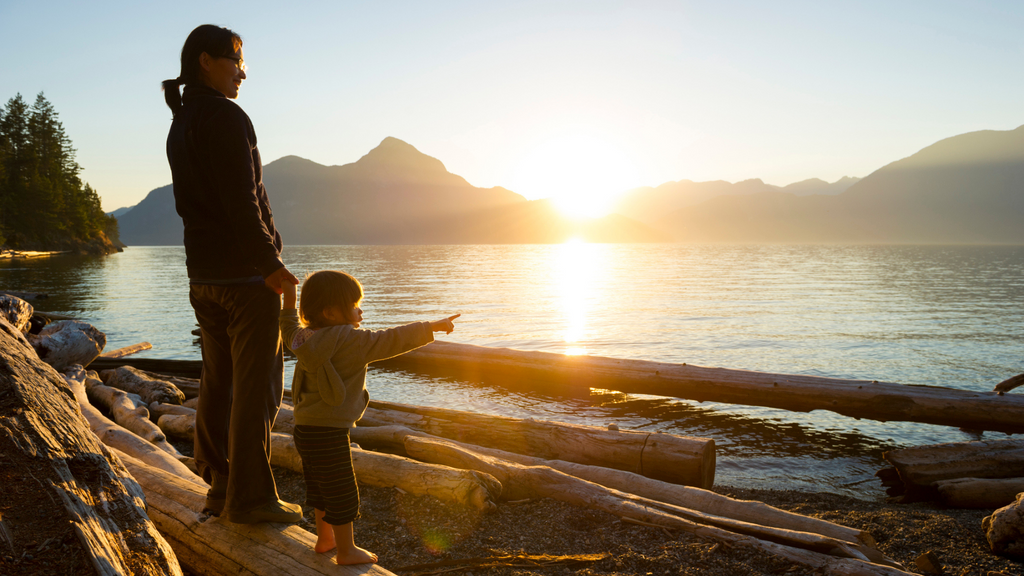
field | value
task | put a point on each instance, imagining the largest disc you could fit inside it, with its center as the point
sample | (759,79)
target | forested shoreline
(44,205)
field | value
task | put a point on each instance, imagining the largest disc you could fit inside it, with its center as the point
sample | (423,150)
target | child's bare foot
(356,555)
(324,543)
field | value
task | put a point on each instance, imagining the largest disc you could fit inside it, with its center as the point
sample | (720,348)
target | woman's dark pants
(240,390)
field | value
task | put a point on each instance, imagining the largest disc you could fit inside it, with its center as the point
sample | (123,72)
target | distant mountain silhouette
(964,189)
(393,195)
(120,211)
(649,205)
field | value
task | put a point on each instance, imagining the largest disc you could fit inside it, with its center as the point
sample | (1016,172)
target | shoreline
(8,254)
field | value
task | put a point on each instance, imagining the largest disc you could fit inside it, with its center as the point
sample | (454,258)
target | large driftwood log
(129,411)
(856,398)
(131,380)
(1004,529)
(390,437)
(68,342)
(982,493)
(677,459)
(118,437)
(830,555)
(920,467)
(46,445)
(211,546)
(16,311)
(468,487)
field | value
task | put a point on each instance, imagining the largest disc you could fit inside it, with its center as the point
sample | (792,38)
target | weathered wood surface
(1004,529)
(68,342)
(677,459)
(982,493)
(129,411)
(392,437)
(127,350)
(16,311)
(131,380)
(920,467)
(118,437)
(829,555)
(855,398)
(467,487)
(211,546)
(46,445)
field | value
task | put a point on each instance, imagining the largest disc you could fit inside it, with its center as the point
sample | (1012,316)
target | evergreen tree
(43,201)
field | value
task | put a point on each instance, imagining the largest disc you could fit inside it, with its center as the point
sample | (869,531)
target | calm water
(947,316)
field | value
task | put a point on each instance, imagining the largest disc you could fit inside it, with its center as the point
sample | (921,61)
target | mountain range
(964,189)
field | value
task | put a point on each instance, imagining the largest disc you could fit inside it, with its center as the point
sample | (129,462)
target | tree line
(44,205)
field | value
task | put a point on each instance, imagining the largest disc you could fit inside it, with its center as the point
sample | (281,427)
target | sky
(549,99)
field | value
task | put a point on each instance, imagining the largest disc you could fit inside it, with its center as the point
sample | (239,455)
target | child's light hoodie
(329,386)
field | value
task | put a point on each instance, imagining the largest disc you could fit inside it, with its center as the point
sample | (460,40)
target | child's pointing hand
(444,325)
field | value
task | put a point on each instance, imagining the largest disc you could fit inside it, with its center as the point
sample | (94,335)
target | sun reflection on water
(576,265)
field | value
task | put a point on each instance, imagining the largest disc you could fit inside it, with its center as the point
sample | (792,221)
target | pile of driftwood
(419,450)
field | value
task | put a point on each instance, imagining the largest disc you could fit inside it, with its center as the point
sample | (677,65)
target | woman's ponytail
(172,95)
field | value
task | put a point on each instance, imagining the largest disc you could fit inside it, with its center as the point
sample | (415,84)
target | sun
(580,173)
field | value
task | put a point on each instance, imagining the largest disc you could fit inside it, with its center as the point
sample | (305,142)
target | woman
(233,257)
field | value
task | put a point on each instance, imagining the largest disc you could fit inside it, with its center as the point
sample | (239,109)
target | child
(329,393)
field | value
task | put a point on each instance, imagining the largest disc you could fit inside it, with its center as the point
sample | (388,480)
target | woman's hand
(444,325)
(279,278)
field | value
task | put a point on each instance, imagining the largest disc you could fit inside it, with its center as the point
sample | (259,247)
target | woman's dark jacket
(218,190)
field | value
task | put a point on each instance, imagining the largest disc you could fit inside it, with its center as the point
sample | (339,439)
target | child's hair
(324,289)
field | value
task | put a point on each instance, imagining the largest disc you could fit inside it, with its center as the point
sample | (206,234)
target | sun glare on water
(582,175)
(577,263)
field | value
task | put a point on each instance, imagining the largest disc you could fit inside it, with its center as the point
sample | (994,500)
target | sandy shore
(409,532)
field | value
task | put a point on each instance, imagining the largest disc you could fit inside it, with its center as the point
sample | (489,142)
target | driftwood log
(68,342)
(983,493)
(210,546)
(127,350)
(118,437)
(178,425)
(676,459)
(827,554)
(390,437)
(16,311)
(867,399)
(467,487)
(1009,383)
(921,467)
(1004,529)
(132,380)
(129,411)
(180,368)
(46,446)
(156,410)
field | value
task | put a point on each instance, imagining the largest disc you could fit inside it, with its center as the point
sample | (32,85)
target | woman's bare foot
(324,534)
(356,555)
